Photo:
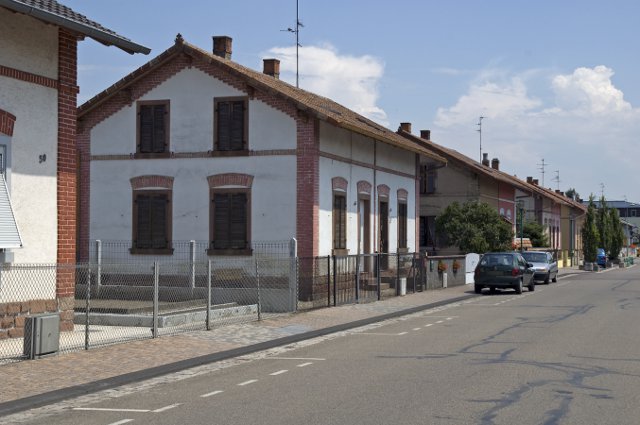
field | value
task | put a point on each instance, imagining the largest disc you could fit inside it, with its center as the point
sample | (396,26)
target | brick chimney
(530,180)
(271,67)
(485,159)
(222,46)
(405,126)
(495,164)
(535,181)
(425,134)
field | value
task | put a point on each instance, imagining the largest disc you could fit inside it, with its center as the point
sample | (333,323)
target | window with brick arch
(339,221)
(231,124)
(152,221)
(153,128)
(230,222)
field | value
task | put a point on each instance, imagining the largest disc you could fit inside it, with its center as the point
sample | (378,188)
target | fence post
(209,295)
(378,280)
(87,308)
(258,287)
(357,278)
(328,281)
(192,262)
(99,261)
(397,273)
(293,275)
(335,284)
(156,284)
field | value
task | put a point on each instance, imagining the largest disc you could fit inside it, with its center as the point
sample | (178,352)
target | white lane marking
(124,421)
(104,409)
(305,364)
(416,329)
(380,333)
(294,358)
(440,321)
(165,408)
(280,372)
(251,381)
(428,324)
(449,318)
(211,393)
(403,333)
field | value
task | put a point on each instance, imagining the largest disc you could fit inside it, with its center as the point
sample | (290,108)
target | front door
(384,235)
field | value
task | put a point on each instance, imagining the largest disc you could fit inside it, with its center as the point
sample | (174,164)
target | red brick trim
(364,187)
(6,123)
(28,77)
(403,195)
(339,183)
(230,179)
(383,191)
(307,186)
(188,155)
(151,181)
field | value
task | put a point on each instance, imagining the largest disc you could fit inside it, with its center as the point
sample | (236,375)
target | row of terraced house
(194,146)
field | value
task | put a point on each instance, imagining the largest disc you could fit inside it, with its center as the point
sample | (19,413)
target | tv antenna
(479,130)
(296,31)
(557,179)
(542,170)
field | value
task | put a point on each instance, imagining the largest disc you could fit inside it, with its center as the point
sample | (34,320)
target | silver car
(545,268)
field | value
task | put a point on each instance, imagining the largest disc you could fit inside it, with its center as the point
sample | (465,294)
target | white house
(193,146)
(38,89)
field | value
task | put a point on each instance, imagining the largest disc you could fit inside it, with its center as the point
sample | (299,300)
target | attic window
(153,129)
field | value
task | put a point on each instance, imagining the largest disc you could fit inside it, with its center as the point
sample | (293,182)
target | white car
(545,268)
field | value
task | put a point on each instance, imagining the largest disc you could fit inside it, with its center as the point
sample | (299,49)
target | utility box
(41,335)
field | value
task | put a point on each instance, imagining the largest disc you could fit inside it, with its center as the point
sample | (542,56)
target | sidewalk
(39,382)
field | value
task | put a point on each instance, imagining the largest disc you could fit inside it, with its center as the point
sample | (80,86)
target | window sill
(229,252)
(217,153)
(160,155)
(151,251)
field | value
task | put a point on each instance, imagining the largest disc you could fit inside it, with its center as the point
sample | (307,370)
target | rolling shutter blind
(9,233)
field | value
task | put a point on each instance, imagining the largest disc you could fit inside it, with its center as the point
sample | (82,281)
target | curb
(56,396)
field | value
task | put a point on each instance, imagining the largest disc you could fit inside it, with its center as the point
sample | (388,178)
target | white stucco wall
(28,44)
(191,94)
(357,148)
(31,46)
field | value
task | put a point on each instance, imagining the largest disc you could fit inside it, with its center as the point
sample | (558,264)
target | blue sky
(555,80)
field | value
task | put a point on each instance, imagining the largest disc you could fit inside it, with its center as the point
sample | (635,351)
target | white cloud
(585,129)
(349,80)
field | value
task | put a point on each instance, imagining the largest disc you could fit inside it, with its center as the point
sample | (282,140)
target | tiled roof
(321,107)
(58,14)
(453,155)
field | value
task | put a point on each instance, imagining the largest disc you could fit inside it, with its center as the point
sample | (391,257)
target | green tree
(571,193)
(603,222)
(590,234)
(474,227)
(617,234)
(535,232)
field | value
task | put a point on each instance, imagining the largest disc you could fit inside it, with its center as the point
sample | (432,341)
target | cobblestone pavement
(36,377)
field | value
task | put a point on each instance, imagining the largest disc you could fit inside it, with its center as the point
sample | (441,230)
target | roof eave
(100,36)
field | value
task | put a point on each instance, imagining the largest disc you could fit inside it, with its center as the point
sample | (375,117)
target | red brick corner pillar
(66,175)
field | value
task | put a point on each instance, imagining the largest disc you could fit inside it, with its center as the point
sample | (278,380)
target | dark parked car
(503,270)
(601,258)
(545,268)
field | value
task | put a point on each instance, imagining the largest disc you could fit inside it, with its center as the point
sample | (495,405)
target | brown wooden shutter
(146,129)
(224,130)
(159,136)
(237,125)
(153,137)
(152,222)
(238,221)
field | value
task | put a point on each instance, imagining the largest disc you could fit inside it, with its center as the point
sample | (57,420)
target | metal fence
(331,280)
(105,302)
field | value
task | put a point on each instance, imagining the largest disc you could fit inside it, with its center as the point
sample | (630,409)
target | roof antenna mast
(296,31)
(542,170)
(479,130)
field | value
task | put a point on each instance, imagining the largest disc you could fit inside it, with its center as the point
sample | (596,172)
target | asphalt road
(564,354)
